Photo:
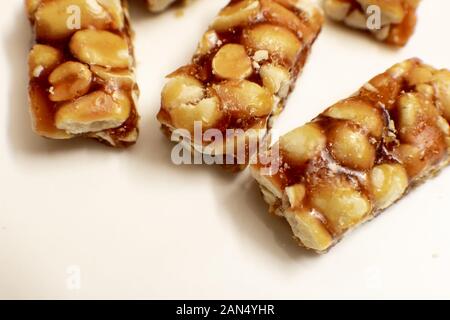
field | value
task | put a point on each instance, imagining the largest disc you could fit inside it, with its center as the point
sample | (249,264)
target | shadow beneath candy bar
(237,194)
(269,233)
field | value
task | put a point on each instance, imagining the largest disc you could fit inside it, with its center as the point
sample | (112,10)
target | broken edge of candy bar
(243,70)
(395,25)
(81,71)
(361,155)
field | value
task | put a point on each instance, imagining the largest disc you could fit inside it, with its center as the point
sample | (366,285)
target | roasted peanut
(415,109)
(296,194)
(389,182)
(236,15)
(115,10)
(309,229)
(313,13)
(425,89)
(42,60)
(69,80)
(98,47)
(260,56)
(419,75)
(209,41)
(410,110)
(232,62)
(304,143)
(351,147)
(207,111)
(245,97)
(280,15)
(116,79)
(276,79)
(429,138)
(94,112)
(401,69)
(124,101)
(278,41)
(340,203)
(443,125)
(360,112)
(441,82)
(412,158)
(53,18)
(182,90)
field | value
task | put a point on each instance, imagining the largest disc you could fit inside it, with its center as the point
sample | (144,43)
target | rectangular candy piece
(242,72)
(81,71)
(359,156)
(391,21)
(159,5)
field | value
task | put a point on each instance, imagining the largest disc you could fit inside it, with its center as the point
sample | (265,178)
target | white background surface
(140,227)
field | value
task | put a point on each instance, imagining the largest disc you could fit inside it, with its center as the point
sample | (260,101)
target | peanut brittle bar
(395,25)
(81,71)
(361,155)
(243,70)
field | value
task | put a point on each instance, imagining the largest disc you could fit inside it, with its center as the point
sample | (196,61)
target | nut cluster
(81,73)
(362,154)
(397,21)
(244,68)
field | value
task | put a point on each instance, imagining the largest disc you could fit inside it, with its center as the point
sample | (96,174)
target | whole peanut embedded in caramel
(232,62)
(69,80)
